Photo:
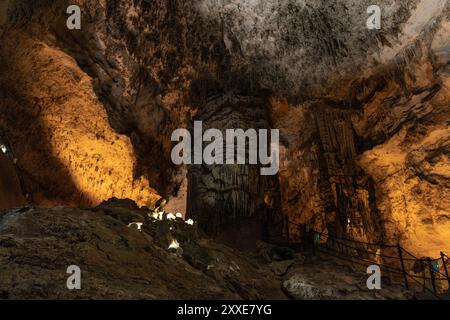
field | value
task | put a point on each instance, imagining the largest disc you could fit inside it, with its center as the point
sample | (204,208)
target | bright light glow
(3,147)
(174,244)
(170,216)
(179,215)
(189,222)
(137,224)
(157,215)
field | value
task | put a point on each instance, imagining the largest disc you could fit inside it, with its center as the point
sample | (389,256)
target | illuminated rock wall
(59,131)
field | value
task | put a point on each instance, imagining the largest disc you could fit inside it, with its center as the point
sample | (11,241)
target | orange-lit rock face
(411,170)
(70,153)
(383,166)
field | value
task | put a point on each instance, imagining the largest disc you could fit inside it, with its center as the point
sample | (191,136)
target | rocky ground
(119,261)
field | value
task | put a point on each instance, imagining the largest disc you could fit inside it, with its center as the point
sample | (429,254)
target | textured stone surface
(11,194)
(119,262)
(375,167)
(363,114)
(327,279)
(71,154)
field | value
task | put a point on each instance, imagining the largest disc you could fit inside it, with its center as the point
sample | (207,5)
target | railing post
(445,269)
(433,282)
(400,254)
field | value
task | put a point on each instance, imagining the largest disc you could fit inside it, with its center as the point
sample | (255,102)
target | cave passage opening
(231,202)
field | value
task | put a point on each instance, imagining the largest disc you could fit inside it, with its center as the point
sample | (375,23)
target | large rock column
(224,196)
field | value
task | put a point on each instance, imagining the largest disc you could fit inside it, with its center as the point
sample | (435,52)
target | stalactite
(346,199)
(221,195)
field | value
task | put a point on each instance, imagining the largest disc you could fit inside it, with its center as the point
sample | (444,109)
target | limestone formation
(363,114)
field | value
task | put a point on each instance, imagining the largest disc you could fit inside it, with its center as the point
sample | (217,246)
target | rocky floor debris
(121,262)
